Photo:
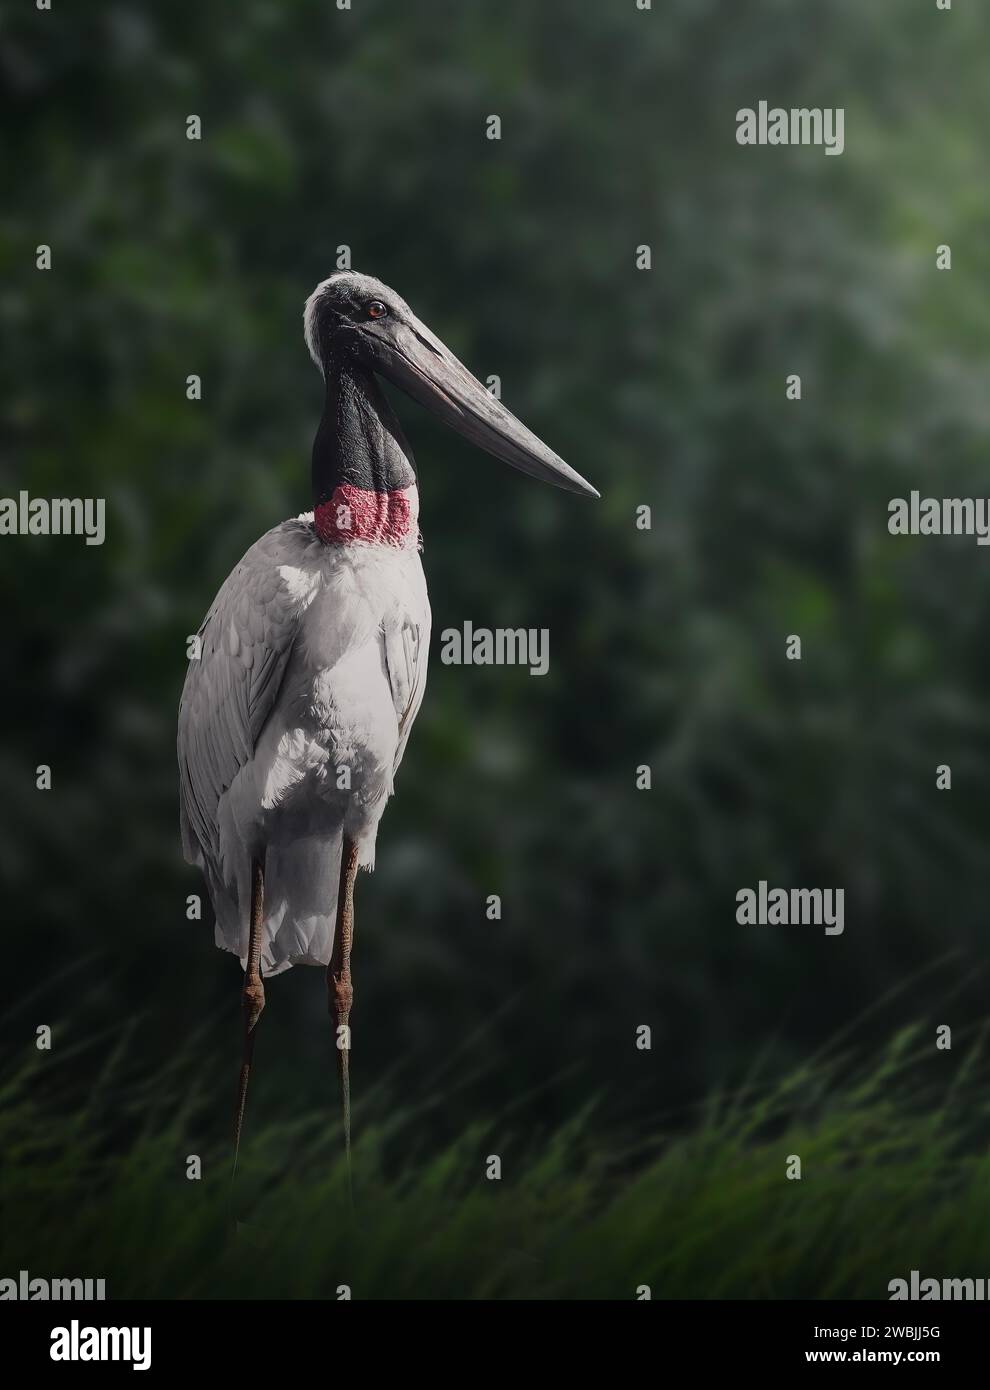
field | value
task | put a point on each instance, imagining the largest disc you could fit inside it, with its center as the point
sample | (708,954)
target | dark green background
(664,387)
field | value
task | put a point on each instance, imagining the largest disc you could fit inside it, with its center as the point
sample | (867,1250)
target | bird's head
(358,318)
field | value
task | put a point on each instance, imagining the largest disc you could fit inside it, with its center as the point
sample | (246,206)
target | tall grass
(894,1176)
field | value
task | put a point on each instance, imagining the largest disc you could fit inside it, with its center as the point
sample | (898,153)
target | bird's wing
(407,645)
(245,644)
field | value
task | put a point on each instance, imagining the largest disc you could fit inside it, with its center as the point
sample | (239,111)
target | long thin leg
(340,994)
(252,997)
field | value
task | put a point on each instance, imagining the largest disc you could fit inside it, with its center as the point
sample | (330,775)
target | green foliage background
(366,127)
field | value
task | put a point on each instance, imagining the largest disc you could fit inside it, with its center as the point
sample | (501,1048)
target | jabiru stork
(311,663)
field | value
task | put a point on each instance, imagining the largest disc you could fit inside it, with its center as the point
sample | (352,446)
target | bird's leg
(252,997)
(339,991)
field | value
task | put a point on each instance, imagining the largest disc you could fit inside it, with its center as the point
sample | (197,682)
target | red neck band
(378,518)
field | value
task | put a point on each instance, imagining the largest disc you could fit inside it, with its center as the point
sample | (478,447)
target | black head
(352,317)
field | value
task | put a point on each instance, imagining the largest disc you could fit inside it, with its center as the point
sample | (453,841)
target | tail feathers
(301,881)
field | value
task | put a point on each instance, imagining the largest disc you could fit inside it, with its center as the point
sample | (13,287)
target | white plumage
(292,724)
(312,663)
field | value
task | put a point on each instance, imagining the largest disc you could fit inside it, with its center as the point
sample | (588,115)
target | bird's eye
(376,309)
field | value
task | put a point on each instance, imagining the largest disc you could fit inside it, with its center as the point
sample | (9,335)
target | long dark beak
(414,360)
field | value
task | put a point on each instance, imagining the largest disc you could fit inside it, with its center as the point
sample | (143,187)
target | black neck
(359,440)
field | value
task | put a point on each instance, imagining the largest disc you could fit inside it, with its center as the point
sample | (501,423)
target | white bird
(311,666)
